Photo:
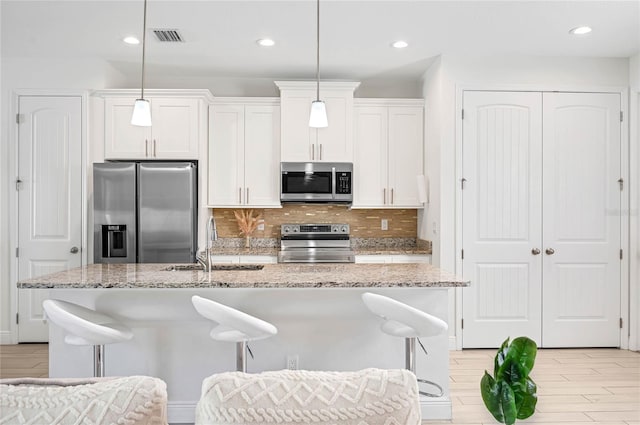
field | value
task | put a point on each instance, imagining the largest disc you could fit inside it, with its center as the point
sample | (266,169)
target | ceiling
(355,36)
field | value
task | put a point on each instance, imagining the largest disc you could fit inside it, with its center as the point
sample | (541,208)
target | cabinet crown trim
(273,101)
(324,85)
(201,93)
(360,101)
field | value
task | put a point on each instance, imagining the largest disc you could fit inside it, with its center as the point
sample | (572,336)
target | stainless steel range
(315,243)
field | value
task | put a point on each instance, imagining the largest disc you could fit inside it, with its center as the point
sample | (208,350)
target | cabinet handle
(246,200)
(384,196)
(535,251)
(146,147)
(239,195)
(320,152)
(549,251)
(391,196)
(154,148)
(313,151)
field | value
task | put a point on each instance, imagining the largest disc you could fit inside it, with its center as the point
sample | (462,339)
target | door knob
(74,250)
(549,251)
(535,251)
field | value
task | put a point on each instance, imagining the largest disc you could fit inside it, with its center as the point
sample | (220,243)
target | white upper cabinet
(388,153)
(178,125)
(244,153)
(302,143)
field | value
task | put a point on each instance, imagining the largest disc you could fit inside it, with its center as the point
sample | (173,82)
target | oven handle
(333,182)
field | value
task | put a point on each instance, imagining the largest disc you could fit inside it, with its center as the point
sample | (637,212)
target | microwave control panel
(343,182)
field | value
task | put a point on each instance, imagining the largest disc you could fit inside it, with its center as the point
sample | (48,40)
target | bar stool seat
(87,327)
(404,321)
(233,326)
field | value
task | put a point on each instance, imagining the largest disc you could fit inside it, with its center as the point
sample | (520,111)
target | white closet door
(49,200)
(581,303)
(502,145)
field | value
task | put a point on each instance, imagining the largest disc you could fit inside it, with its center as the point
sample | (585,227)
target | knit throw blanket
(132,400)
(365,397)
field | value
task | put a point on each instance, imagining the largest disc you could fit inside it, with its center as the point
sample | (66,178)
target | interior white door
(502,145)
(49,199)
(581,301)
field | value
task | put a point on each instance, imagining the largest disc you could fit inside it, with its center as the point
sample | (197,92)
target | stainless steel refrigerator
(145,212)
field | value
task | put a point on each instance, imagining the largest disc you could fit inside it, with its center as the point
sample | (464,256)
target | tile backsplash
(402,223)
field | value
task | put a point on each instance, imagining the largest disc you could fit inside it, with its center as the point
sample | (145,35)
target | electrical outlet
(292,362)
(384,224)
(261,225)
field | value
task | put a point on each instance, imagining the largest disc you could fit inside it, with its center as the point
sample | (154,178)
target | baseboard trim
(181,412)
(6,338)
(435,408)
(184,412)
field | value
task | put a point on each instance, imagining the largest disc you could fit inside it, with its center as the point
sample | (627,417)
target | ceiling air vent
(168,35)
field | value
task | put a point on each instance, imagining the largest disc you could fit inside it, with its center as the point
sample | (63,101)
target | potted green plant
(510,394)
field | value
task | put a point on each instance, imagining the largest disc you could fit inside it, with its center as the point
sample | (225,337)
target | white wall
(441,83)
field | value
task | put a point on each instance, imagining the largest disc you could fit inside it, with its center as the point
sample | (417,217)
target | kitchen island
(317,309)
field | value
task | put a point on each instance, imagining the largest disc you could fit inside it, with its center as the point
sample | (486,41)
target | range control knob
(286,229)
(344,229)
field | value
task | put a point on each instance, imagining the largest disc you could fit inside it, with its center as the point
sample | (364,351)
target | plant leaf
(491,396)
(508,403)
(524,350)
(526,398)
(500,356)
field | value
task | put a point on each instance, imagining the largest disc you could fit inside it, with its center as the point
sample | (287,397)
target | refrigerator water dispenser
(114,240)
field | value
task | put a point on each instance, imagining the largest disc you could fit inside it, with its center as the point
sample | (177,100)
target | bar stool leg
(98,361)
(241,356)
(410,354)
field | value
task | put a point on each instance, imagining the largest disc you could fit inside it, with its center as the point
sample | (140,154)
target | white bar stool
(233,326)
(87,327)
(406,322)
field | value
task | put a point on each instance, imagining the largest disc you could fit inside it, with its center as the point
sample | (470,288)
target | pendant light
(142,108)
(318,116)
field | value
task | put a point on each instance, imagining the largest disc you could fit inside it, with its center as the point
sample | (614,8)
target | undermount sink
(214,267)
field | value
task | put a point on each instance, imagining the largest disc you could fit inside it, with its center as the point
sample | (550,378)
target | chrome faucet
(211,236)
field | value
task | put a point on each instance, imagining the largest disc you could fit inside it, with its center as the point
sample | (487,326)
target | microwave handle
(333,182)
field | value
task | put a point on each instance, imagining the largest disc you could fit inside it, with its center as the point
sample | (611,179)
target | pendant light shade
(141,108)
(141,113)
(318,116)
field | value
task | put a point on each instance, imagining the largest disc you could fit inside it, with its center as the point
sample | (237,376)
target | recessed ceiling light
(131,40)
(400,44)
(580,30)
(266,42)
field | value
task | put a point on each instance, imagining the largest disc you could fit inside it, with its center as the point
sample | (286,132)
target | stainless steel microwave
(319,182)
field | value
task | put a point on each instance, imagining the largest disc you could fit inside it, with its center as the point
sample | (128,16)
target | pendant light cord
(144,37)
(317,49)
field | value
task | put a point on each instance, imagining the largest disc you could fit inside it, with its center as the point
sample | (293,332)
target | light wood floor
(577,387)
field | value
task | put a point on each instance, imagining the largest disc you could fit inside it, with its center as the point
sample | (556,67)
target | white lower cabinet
(244,259)
(381,259)
(388,153)
(244,154)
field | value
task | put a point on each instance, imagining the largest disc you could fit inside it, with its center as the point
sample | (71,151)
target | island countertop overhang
(284,275)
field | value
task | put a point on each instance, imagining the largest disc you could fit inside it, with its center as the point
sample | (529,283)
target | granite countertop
(273,252)
(289,275)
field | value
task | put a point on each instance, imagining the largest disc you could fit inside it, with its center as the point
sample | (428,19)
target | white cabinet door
(502,142)
(262,155)
(372,259)
(258,259)
(298,141)
(123,140)
(411,259)
(49,199)
(175,128)
(175,132)
(226,152)
(370,156)
(405,155)
(335,142)
(581,219)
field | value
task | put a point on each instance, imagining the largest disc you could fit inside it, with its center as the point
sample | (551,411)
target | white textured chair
(87,327)
(233,326)
(130,400)
(294,397)
(404,321)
